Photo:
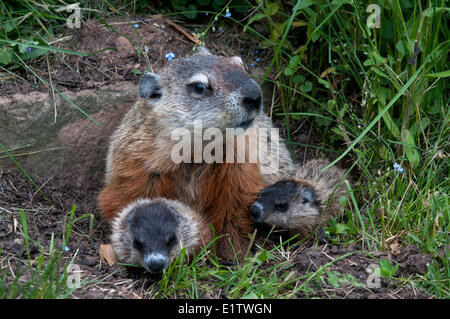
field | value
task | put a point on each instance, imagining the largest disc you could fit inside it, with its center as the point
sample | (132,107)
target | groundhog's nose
(252,96)
(156,263)
(256,212)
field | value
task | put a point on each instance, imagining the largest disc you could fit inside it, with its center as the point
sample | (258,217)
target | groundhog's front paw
(135,273)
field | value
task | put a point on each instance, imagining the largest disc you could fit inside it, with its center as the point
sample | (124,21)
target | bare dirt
(127,52)
(46,214)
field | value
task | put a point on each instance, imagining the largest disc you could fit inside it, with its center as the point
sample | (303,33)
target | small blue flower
(169,56)
(256,51)
(136,25)
(360,125)
(398,168)
(257,59)
(28,50)
(66,249)
(252,65)
(227,14)
(206,13)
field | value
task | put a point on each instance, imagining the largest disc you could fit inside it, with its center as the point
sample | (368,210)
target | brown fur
(139,163)
(227,191)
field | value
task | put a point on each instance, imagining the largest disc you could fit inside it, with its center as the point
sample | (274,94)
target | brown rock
(124,47)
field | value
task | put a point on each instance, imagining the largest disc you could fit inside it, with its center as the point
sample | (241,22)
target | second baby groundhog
(218,92)
(300,203)
(151,233)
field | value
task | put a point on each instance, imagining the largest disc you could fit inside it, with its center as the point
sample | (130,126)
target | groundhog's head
(288,204)
(151,233)
(214,89)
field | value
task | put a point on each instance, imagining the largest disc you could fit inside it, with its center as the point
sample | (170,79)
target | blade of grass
(384,110)
(60,93)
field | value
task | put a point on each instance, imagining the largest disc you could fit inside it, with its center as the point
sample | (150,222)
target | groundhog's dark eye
(172,240)
(200,88)
(137,244)
(282,206)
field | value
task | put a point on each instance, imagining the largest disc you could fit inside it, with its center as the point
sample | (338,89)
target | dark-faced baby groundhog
(298,204)
(218,92)
(151,233)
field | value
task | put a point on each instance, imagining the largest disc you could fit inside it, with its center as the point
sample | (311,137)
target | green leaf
(400,46)
(191,11)
(442,74)
(203,2)
(343,201)
(429,13)
(292,67)
(386,268)
(217,4)
(387,29)
(383,94)
(271,9)
(411,152)
(5,55)
(250,295)
(341,228)
(406,4)
(256,17)
(305,4)
(333,280)
(49,48)
(433,110)
(33,53)
(325,83)
(374,59)
(262,256)
(8,26)
(306,87)
(337,131)
(268,43)
(380,73)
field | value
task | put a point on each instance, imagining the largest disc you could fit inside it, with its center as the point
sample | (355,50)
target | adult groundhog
(152,232)
(218,92)
(298,204)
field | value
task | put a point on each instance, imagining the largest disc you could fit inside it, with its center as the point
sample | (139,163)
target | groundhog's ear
(202,50)
(176,214)
(150,87)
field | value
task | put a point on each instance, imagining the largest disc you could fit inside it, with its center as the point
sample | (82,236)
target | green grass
(39,277)
(267,274)
(363,92)
(361,88)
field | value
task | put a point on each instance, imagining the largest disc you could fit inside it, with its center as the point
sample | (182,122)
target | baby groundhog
(218,92)
(298,204)
(152,233)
